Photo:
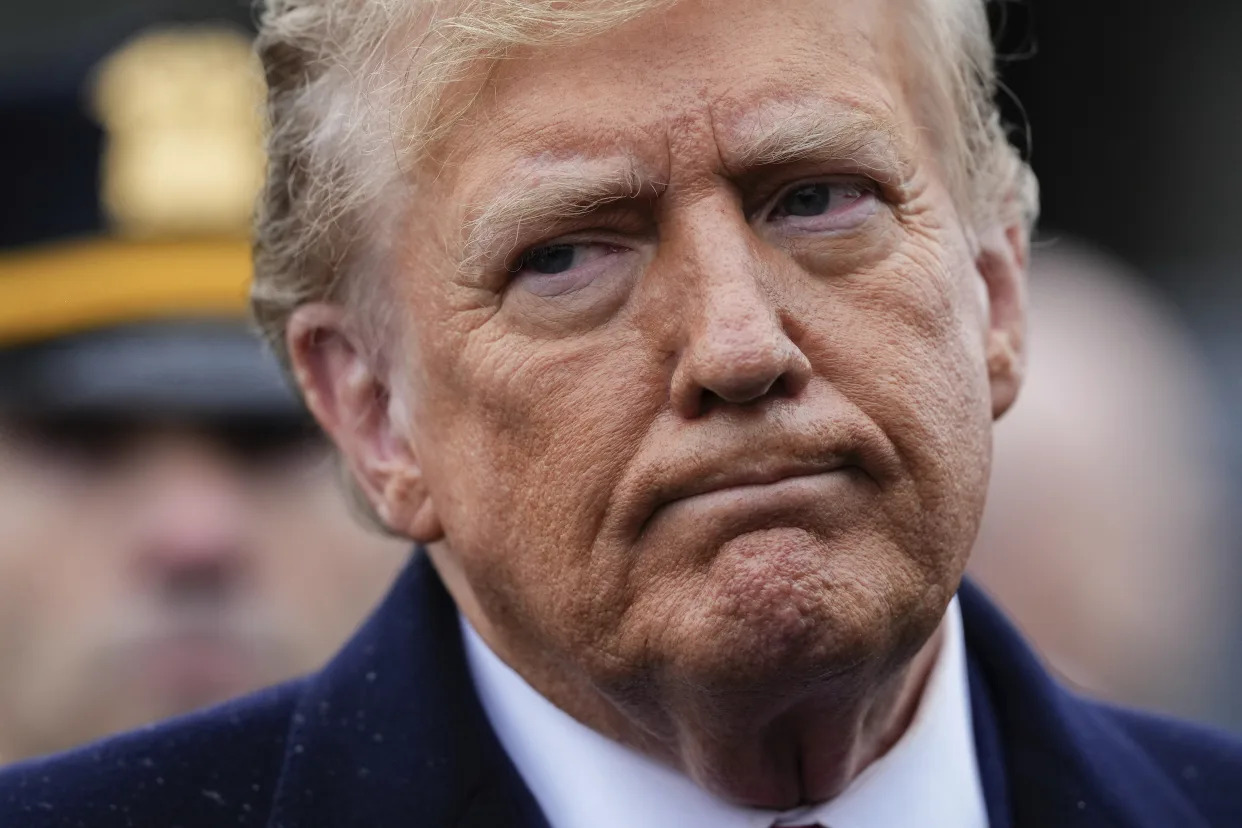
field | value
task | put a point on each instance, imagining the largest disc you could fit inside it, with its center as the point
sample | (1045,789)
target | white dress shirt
(929,779)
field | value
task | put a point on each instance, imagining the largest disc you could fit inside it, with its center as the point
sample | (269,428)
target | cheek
(528,439)
(902,342)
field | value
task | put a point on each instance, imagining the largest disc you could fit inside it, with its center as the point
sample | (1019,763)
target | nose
(191,540)
(737,350)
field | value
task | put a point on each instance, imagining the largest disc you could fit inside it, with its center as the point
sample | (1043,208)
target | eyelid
(595,273)
(598,233)
(513,264)
(866,185)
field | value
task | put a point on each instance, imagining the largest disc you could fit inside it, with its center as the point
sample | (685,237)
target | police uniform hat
(130,164)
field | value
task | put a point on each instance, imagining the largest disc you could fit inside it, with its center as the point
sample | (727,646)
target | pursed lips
(739,479)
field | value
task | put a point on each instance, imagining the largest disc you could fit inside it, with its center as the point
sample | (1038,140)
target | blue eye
(816,198)
(820,206)
(564,266)
(548,260)
(807,200)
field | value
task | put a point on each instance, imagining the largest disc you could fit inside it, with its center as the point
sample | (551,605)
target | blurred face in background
(148,568)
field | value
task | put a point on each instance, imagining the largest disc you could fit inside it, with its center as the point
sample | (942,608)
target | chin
(785,607)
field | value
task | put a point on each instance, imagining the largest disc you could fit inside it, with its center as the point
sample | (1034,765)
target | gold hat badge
(181,109)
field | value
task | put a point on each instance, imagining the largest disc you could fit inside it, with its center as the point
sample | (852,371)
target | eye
(549,260)
(563,267)
(822,205)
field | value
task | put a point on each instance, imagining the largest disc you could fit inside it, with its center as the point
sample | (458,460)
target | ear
(354,404)
(1002,262)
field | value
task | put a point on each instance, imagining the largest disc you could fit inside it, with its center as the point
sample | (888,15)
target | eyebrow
(779,134)
(545,191)
(552,191)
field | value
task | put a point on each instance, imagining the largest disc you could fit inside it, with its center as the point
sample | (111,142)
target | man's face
(699,376)
(149,569)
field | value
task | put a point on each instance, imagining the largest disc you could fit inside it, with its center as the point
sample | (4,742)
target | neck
(772,747)
(768,748)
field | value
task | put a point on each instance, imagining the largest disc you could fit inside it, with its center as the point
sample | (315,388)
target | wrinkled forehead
(766,81)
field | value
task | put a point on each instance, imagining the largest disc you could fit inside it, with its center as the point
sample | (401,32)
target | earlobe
(407,506)
(1002,263)
(353,403)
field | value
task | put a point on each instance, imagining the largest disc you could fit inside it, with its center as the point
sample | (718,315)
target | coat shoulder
(1203,764)
(216,767)
(1067,760)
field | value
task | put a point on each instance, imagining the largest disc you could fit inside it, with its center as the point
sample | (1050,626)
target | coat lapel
(391,733)
(1046,756)
(989,751)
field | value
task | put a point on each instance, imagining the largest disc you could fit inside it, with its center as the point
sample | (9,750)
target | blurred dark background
(1135,117)
(1132,117)
(1136,124)
(1134,114)
(35,33)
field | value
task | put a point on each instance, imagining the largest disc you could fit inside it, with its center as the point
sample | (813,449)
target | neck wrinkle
(804,752)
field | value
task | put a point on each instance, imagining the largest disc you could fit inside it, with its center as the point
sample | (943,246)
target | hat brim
(194,368)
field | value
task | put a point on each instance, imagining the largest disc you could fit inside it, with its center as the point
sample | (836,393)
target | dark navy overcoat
(391,735)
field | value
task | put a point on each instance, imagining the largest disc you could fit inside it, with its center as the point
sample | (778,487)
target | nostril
(722,367)
(709,401)
(780,388)
(744,393)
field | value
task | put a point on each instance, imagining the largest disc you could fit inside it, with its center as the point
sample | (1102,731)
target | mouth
(772,488)
(753,477)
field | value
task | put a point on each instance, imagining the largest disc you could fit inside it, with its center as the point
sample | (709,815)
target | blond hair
(357,91)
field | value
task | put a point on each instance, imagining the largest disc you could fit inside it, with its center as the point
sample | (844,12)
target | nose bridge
(735,347)
(738,310)
(733,297)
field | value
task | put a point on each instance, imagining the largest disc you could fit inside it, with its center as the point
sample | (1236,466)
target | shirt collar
(580,778)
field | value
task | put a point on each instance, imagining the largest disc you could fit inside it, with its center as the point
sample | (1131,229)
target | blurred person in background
(171,530)
(1104,533)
